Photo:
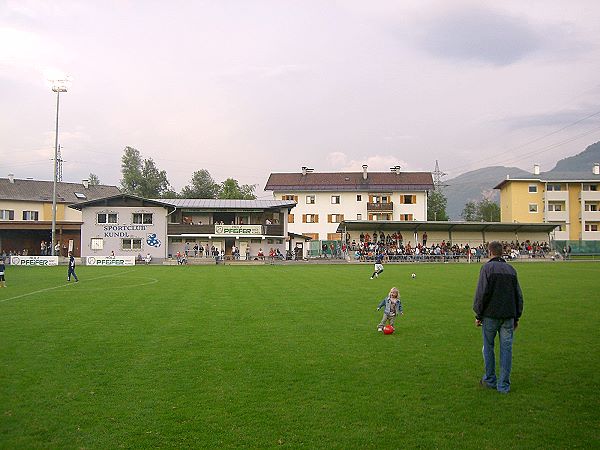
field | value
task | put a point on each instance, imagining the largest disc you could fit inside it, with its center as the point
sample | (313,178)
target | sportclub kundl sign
(41,261)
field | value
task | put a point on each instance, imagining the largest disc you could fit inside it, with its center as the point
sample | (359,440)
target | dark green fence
(578,248)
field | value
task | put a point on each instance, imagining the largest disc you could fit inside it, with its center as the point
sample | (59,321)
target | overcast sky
(244,88)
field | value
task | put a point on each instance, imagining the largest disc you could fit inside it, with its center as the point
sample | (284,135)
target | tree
(485,210)
(142,177)
(131,170)
(230,189)
(488,211)
(154,182)
(93,179)
(201,185)
(436,206)
(469,213)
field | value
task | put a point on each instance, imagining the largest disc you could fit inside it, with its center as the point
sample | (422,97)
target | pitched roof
(42,191)
(124,200)
(227,204)
(350,181)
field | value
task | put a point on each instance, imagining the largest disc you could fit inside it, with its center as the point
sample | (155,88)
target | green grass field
(289,356)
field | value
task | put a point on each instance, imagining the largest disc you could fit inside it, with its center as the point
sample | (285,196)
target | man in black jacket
(498,305)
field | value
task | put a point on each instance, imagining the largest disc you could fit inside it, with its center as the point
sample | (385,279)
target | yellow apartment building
(571,201)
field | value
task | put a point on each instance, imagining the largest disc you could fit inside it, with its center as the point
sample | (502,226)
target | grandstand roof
(361,225)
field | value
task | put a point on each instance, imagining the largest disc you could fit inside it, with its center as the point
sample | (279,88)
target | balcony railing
(557,195)
(273,230)
(380,207)
(589,195)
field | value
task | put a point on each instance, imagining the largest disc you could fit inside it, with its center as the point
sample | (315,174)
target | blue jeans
(504,328)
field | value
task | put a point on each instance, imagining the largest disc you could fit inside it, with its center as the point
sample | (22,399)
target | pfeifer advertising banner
(110,261)
(39,261)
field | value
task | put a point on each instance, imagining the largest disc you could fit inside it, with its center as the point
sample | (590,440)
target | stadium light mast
(58,86)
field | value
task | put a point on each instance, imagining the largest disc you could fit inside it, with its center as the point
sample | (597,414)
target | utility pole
(59,174)
(437,176)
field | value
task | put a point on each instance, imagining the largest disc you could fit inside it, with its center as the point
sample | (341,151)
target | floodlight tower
(58,86)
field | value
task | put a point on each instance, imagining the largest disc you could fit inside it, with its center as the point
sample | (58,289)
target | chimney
(536,169)
(86,183)
(304,170)
(596,169)
(11,177)
(365,167)
(395,169)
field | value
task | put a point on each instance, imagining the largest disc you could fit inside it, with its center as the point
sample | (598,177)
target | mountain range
(478,184)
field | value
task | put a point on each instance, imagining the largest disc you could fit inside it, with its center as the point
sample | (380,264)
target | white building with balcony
(323,200)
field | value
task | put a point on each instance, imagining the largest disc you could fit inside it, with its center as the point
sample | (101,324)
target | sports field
(289,356)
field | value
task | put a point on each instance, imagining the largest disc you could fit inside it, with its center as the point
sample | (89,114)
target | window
(591,227)
(143,218)
(290,218)
(532,188)
(553,187)
(359,217)
(335,218)
(590,187)
(80,196)
(334,236)
(591,206)
(289,197)
(106,217)
(310,199)
(406,217)
(335,199)
(408,199)
(310,218)
(30,215)
(97,244)
(561,227)
(359,198)
(7,214)
(313,236)
(131,244)
(533,208)
(555,207)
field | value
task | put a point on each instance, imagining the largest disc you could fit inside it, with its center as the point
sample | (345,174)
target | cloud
(339,161)
(29,56)
(481,35)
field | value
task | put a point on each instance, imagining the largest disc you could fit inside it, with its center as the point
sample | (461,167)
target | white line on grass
(65,285)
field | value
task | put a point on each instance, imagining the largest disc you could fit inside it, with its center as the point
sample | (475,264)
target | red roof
(350,181)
